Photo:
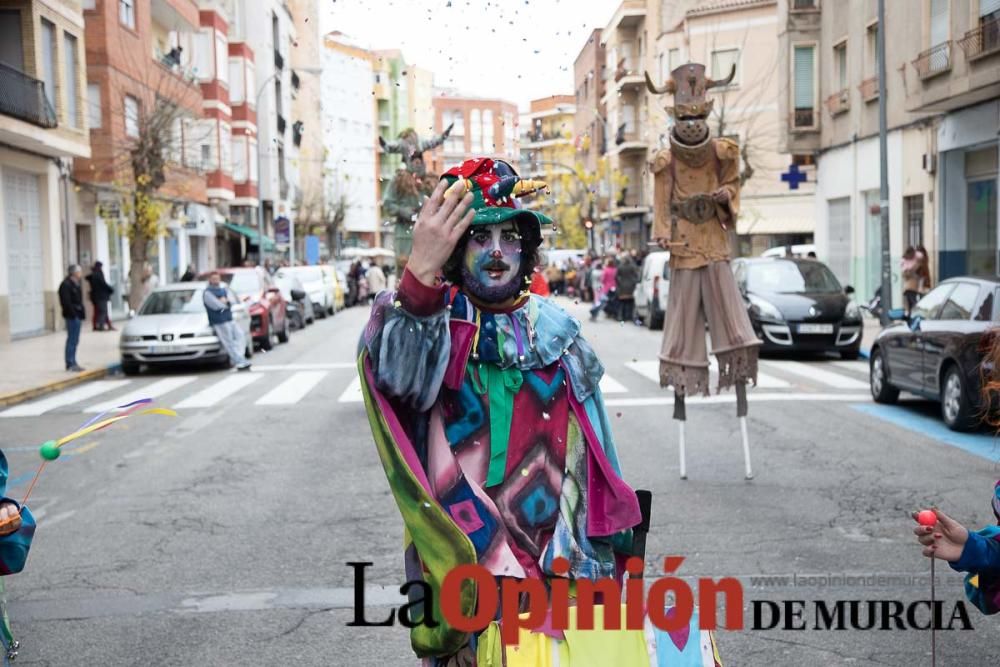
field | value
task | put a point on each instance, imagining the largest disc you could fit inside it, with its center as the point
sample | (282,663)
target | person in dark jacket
(71,301)
(189,274)
(625,281)
(100,294)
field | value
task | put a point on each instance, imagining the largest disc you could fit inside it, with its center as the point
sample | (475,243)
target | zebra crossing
(634,383)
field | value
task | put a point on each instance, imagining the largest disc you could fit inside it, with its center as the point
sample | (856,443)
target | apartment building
(548,151)
(481,127)
(589,137)
(43,125)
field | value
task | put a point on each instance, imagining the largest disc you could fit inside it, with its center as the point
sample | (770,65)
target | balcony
(284,187)
(804,5)
(983,41)
(839,102)
(628,140)
(869,89)
(629,14)
(281,125)
(804,119)
(279,61)
(23,97)
(935,60)
(626,77)
(540,139)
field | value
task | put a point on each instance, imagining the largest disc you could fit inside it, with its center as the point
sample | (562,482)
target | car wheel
(882,391)
(269,338)
(131,367)
(955,408)
(284,333)
(850,355)
(320,311)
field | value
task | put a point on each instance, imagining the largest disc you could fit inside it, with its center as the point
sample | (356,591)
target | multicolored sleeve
(981,559)
(14,547)
(409,343)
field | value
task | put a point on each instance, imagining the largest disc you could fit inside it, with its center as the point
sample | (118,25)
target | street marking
(292,389)
(82,450)
(58,518)
(208,397)
(815,372)
(353,393)
(981,444)
(853,366)
(609,385)
(731,398)
(264,368)
(154,390)
(647,369)
(651,371)
(75,395)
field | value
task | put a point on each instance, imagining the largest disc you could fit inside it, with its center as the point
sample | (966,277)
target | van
(653,288)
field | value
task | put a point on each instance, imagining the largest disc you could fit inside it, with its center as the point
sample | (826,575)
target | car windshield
(308,274)
(170,302)
(244,283)
(786,277)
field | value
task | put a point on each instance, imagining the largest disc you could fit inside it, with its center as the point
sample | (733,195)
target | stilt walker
(696,200)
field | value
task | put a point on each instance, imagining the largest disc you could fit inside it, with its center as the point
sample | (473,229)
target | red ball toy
(926,517)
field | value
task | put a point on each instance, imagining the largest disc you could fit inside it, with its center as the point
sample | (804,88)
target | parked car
(300,308)
(268,309)
(171,327)
(801,250)
(654,286)
(320,291)
(798,305)
(332,277)
(937,352)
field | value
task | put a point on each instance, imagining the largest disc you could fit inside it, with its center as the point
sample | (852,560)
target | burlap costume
(702,286)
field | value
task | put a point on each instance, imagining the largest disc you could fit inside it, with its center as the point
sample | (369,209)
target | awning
(250,233)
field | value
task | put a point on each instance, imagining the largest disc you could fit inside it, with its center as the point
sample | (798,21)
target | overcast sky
(516,50)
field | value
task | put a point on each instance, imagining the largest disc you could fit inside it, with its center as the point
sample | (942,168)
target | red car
(268,312)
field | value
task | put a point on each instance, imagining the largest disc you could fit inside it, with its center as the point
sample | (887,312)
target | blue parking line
(981,444)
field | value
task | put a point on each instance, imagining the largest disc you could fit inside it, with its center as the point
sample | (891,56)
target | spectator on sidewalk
(100,294)
(71,301)
(218,300)
(189,274)
(149,281)
(626,279)
(375,278)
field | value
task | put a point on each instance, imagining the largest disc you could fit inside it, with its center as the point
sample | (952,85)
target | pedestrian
(539,283)
(376,279)
(149,280)
(219,300)
(486,406)
(596,272)
(626,278)
(924,282)
(909,266)
(71,301)
(100,294)
(189,274)
(553,277)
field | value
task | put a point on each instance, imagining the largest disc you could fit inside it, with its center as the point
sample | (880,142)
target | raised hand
(10,519)
(440,224)
(945,539)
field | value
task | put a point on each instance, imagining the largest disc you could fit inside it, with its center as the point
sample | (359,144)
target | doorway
(24,252)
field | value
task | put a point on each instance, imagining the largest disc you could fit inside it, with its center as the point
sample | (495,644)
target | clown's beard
(491,293)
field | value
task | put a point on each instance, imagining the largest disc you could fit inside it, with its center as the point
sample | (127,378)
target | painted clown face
(491,267)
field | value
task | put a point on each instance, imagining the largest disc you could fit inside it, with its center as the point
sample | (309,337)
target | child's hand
(10,519)
(945,539)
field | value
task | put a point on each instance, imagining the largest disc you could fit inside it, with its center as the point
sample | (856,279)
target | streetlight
(260,192)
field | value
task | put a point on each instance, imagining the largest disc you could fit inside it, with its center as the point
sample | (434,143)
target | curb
(15,397)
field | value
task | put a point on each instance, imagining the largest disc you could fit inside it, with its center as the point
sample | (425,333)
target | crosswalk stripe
(815,372)
(609,385)
(209,396)
(75,395)
(353,393)
(647,369)
(764,381)
(259,368)
(651,371)
(292,389)
(853,366)
(154,390)
(730,397)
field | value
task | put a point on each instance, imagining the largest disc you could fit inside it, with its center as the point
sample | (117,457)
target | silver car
(171,327)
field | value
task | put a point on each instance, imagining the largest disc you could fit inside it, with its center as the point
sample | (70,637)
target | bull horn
(709,83)
(668,87)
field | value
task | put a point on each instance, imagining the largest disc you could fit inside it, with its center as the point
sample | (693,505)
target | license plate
(816,328)
(162,349)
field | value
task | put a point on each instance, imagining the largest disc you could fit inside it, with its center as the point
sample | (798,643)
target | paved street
(220,537)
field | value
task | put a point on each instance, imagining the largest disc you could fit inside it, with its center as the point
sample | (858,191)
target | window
(804,4)
(871,50)
(840,65)
(488,139)
(805,92)
(939,17)
(131,116)
(927,308)
(12,45)
(722,63)
(913,211)
(206,157)
(49,61)
(960,303)
(72,89)
(673,60)
(126,13)
(94,111)
(476,131)
(803,160)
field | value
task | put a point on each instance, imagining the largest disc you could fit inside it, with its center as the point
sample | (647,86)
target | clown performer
(696,199)
(487,415)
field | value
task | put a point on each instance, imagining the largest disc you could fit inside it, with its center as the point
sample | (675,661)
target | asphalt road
(220,537)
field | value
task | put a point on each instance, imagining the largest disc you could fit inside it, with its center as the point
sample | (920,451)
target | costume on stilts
(696,199)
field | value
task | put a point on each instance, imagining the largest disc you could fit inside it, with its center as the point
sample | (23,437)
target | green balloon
(50,451)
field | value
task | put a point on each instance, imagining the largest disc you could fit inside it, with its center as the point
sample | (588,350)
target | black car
(937,352)
(798,305)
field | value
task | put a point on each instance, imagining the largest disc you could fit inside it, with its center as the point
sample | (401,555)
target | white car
(801,250)
(171,327)
(653,288)
(319,289)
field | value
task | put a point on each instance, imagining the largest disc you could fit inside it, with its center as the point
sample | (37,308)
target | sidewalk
(34,366)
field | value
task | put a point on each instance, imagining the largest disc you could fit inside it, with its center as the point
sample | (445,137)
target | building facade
(43,125)
(589,137)
(548,153)
(479,127)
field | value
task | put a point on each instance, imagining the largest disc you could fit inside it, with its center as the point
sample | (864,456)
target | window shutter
(939,21)
(987,7)
(804,77)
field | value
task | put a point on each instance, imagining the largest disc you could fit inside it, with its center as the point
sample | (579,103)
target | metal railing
(839,102)
(982,41)
(934,60)
(23,97)
(804,118)
(627,133)
(804,4)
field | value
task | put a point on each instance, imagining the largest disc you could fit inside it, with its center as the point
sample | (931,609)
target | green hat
(495,187)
